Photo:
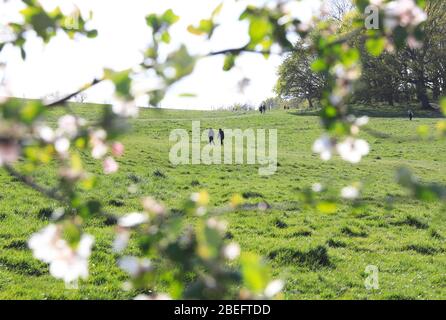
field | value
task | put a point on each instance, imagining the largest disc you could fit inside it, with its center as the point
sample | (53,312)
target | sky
(64,65)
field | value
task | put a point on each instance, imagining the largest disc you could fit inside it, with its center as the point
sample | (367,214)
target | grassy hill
(319,255)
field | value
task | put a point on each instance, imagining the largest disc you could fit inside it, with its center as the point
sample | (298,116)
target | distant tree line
(409,75)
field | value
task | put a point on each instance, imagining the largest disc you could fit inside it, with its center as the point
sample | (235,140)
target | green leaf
(376,46)
(194,30)
(156,96)
(169,17)
(92,33)
(255,273)
(319,65)
(423,131)
(31,111)
(204,27)
(217,10)
(421,3)
(71,234)
(22,53)
(153,22)
(229,62)
(165,37)
(187,95)
(326,207)
(259,29)
(443,105)
(121,81)
(182,62)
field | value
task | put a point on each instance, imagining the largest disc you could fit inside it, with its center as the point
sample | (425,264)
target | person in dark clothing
(221,136)
(411,114)
(211,136)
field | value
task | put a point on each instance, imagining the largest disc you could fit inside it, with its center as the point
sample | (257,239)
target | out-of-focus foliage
(45,25)
(190,261)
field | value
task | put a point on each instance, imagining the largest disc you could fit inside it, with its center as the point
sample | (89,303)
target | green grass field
(321,256)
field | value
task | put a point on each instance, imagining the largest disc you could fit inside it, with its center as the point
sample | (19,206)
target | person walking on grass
(411,115)
(221,136)
(211,135)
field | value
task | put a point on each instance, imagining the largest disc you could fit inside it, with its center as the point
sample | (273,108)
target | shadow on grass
(23,267)
(381,111)
(314,259)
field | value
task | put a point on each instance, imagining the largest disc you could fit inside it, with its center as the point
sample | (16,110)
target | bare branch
(72,95)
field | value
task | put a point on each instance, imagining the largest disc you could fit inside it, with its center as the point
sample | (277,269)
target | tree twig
(68,97)
(240,50)
(111,219)
(50,193)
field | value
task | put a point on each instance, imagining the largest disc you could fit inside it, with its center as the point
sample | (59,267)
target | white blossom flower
(68,126)
(117,149)
(273,288)
(231,251)
(336,97)
(97,141)
(347,73)
(376,2)
(98,135)
(352,150)
(99,150)
(160,296)
(46,134)
(153,206)
(126,109)
(350,193)
(121,240)
(132,220)
(66,263)
(362,121)
(218,225)
(324,146)
(62,145)
(134,266)
(317,187)
(404,13)
(9,152)
(357,123)
(110,165)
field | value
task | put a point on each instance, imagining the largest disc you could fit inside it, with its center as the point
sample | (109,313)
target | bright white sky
(64,65)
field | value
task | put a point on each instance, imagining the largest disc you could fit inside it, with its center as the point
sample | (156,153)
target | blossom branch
(240,50)
(50,193)
(68,97)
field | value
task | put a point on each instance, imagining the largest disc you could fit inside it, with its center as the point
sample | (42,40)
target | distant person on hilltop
(211,135)
(411,115)
(263,108)
(221,136)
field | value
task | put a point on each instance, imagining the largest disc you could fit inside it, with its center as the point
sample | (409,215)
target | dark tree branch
(241,50)
(28,181)
(68,97)
(111,219)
